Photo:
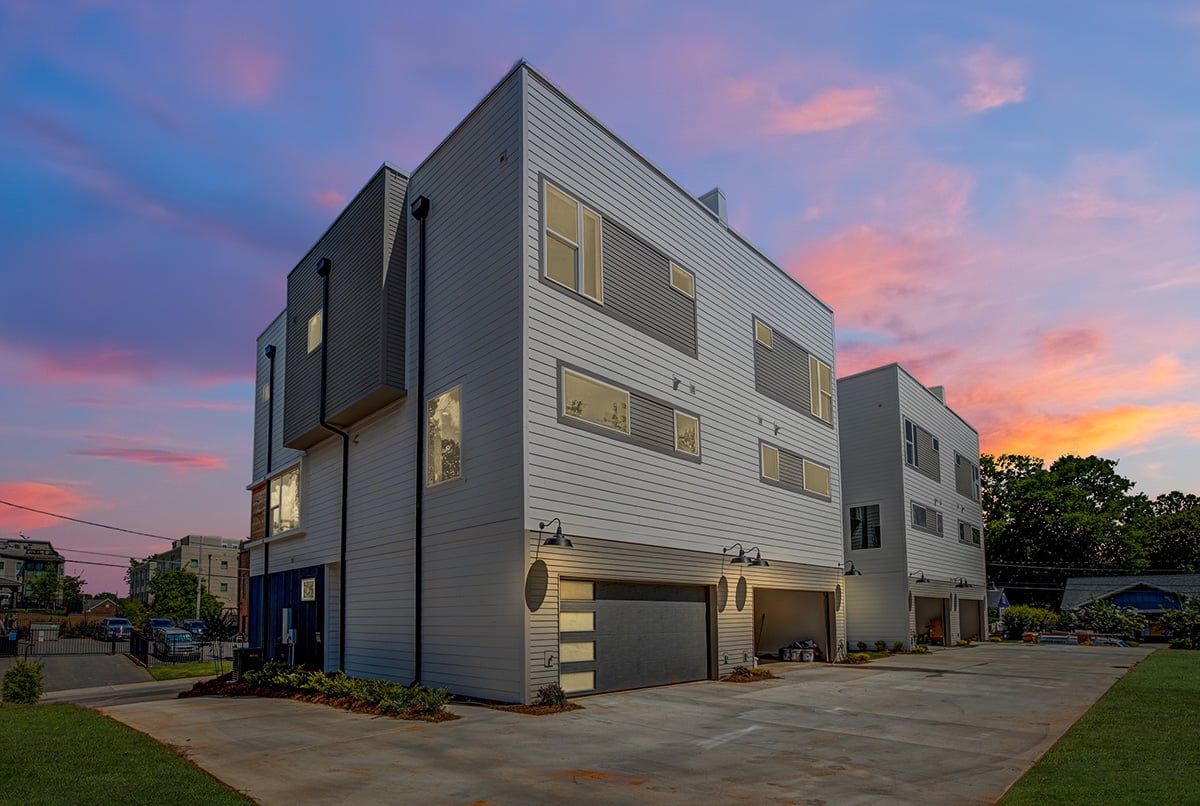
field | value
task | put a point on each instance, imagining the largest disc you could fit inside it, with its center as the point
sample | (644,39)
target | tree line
(1078,517)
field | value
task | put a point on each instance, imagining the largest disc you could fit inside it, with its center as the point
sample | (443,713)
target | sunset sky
(1005,198)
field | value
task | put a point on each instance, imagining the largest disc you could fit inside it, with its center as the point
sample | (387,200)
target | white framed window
(443,446)
(284,494)
(595,402)
(969,534)
(314,330)
(864,527)
(572,245)
(683,281)
(687,434)
(820,385)
(816,478)
(762,334)
(910,443)
(929,520)
(770,462)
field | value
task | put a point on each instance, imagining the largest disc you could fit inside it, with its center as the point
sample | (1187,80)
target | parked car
(156,625)
(173,643)
(196,628)
(115,629)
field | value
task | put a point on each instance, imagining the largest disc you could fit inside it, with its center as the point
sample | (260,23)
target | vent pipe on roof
(715,200)
(939,392)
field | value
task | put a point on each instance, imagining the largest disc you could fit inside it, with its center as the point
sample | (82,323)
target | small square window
(314,331)
(224,564)
(770,462)
(224,587)
(683,281)
(762,334)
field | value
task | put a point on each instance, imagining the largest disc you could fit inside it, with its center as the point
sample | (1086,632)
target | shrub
(1102,615)
(740,671)
(898,646)
(23,683)
(858,657)
(551,695)
(921,650)
(386,697)
(1020,619)
(881,646)
(995,639)
(861,645)
(963,642)
(1183,625)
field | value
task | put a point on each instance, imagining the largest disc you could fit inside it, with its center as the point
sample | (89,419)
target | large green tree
(173,594)
(1076,517)
(72,588)
(1172,532)
(46,589)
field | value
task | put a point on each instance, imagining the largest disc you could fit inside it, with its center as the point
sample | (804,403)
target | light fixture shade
(852,571)
(559,540)
(740,559)
(759,562)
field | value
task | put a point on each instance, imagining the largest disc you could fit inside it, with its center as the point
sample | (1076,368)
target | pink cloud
(216,405)
(149,456)
(329,199)
(830,109)
(56,498)
(993,80)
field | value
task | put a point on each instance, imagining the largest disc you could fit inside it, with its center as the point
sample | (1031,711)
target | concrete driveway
(955,726)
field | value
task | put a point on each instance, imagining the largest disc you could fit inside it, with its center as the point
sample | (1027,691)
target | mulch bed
(224,687)
(534,710)
(763,674)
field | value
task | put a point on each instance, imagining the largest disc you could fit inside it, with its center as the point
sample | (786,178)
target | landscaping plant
(551,695)
(861,645)
(1020,619)
(1183,625)
(1101,615)
(382,696)
(23,683)
(881,646)
(898,646)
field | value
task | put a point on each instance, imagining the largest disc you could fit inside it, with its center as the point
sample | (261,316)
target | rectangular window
(314,331)
(577,681)
(285,501)
(770,462)
(224,587)
(968,533)
(576,622)
(577,651)
(575,590)
(966,477)
(926,519)
(864,527)
(443,457)
(762,334)
(595,402)
(820,384)
(816,478)
(910,443)
(687,434)
(195,563)
(224,565)
(573,245)
(683,281)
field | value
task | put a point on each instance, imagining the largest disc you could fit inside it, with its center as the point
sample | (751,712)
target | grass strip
(66,754)
(1136,745)
(176,671)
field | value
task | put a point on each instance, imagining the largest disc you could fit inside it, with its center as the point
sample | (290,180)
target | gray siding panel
(281,457)
(929,459)
(395,280)
(781,371)
(651,423)
(637,290)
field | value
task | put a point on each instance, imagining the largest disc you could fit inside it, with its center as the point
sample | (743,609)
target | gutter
(420,211)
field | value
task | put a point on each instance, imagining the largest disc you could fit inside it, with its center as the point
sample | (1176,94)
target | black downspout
(420,211)
(266,591)
(323,267)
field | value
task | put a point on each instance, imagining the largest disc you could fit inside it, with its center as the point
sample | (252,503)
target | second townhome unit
(913,523)
(537,331)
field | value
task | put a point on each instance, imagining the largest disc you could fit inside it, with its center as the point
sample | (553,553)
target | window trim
(582,211)
(911,457)
(763,447)
(938,529)
(805,462)
(816,392)
(315,341)
(675,267)
(429,484)
(761,327)
(675,421)
(273,504)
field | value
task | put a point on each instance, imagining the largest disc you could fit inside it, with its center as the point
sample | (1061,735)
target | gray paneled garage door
(619,635)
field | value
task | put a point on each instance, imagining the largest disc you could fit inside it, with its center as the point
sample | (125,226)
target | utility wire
(1087,568)
(86,523)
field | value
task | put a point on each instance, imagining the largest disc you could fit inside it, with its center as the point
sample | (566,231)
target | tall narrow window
(285,501)
(314,330)
(820,385)
(687,434)
(573,245)
(594,401)
(910,443)
(443,458)
(770,462)
(864,527)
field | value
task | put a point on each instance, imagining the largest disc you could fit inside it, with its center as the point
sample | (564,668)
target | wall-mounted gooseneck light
(851,571)
(742,557)
(920,576)
(961,582)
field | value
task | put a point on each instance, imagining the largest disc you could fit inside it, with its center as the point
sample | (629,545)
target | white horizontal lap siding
(940,557)
(333,625)
(605,487)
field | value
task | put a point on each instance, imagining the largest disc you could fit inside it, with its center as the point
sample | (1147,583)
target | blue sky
(1004,198)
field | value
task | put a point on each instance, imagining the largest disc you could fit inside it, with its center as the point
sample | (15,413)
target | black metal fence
(40,644)
(152,652)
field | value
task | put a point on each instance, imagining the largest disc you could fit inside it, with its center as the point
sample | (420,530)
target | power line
(1135,571)
(86,523)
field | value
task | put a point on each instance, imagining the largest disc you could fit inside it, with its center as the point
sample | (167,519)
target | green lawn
(66,754)
(1137,744)
(175,671)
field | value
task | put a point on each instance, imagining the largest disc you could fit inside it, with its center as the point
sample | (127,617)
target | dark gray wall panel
(929,461)
(651,423)
(781,372)
(395,280)
(791,469)
(637,290)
